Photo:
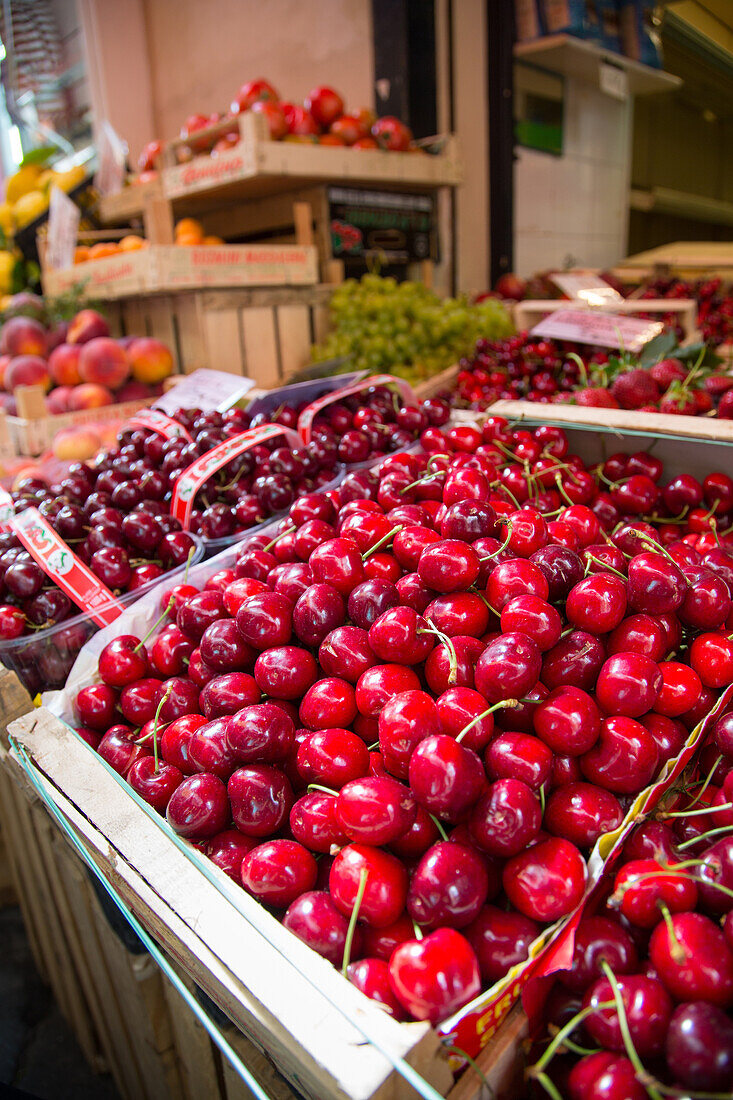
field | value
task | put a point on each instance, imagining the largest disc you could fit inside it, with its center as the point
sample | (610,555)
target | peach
(63,364)
(23,336)
(89,395)
(58,400)
(27,370)
(4,361)
(75,444)
(56,336)
(85,326)
(134,391)
(151,361)
(102,360)
(8,404)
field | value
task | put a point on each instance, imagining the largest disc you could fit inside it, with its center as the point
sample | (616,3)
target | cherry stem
(479,717)
(473,1064)
(317,787)
(605,566)
(156,624)
(629,1047)
(720,831)
(418,930)
(649,542)
(705,785)
(562,1034)
(353,919)
(155,727)
(505,543)
(676,949)
(448,643)
(548,1086)
(500,484)
(698,813)
(189,559)
(561,490)
(438,825)
(381,542)
(274,542)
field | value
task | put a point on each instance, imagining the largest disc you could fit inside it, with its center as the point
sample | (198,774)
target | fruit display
(321,119)
(77,363)
(27,192)
(404,328)
(403,717)
(188,232)
(646,1008)
(665,378)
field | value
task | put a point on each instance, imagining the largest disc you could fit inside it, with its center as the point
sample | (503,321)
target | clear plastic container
(43,660)
(302,393)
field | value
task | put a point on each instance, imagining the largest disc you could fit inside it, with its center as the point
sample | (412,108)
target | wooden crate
(288,1001)
(266,335)
(530,312)
(33,431)
(683,259)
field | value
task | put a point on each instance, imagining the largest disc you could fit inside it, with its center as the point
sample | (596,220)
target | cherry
(318,611)
(629,684)
(707,601)
(508,668)
(198,612)
(332,757)
(641,889)
(118,748)
(648,1008)
(568,721)
(413,593)
(625,757)
(346,652)
(122,661)
(639,634)
(404,721)
(314,823)
(575,661)
(547,881)
(516,577)
(154,784)
(534,617)
(459,614)
(711,657)
(716,866)
(561,567)
(381,942)
(446,778)
(597,604)
(449,886)
(582,813)
(313,918)
(463,711)
(278,871)
(655,584)
(170,652)
(375,810)
(402,636)
(693,959)
(260,797)
(515,755)
(435,976)
(599,939)
(208,750)
(699,1047)
(96,707)
(371,976)
(605,1076)
(228,693)
(385,892)
(227,850)
(369,600)
(506,818)
(175,741)
(448,566)
(337,562)
(12,622)
(224,649)
(378,684)
(265,620)
(500,940)
(285,672)
(199,807)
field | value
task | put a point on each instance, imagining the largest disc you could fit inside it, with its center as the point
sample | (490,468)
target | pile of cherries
(403,720)
(714,303)
(647,1004)
(520,367)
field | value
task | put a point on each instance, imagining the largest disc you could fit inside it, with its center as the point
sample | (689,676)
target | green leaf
(657,349)
(691,353)
(38,156)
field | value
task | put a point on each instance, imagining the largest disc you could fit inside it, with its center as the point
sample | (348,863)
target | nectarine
(63,364)
(4,360)
(75,444)
(27,370)
(150,360)
(58,400)
(90,396)
(103,361)
(85,326)
(23,336)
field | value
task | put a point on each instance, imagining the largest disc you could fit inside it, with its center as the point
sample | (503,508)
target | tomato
(365,143)
(224,143)
(199,122)
(250,93)
(349,128)
(275,118)
(392,134)
(299,120)
(331,139)
(146,160)
(325,105)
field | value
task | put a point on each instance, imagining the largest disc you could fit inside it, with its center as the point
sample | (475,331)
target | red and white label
(309,413)
(7,509)
(190,481)
(156,421)
(59,562)
(606,330)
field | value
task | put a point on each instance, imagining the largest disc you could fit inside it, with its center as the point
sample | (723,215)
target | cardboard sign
(157,421)
(64,217)
(112,158)
(7,509)
(207,390)
(59,562)
(190,481)
(606,330)
(591,289)
(308,415)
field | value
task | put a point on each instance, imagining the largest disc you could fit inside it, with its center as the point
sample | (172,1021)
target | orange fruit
(189,240)
(103,249)
(132,243)
(81,254)
(213,240)
(189,227)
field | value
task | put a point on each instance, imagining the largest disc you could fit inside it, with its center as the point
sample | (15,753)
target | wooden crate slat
(197,1057)
(294,332)
(223,344)
(160,321)
(191,340)
(260,343)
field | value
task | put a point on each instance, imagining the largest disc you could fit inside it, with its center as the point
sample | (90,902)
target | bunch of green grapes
(404,328)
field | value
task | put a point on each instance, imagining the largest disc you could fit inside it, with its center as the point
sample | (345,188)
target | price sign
(606,330)
(112,157)
(207,390)
(63,229)
(587,288)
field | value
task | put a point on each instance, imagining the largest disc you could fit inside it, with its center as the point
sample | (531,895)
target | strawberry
(678,401)
(666,370)
(596,397)
(717,384)
(703,401)
(635,388)
(725,408)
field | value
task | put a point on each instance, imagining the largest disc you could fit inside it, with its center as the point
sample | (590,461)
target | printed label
(190,481)
(159,422)
(59,562)
(607,330)
(207,390)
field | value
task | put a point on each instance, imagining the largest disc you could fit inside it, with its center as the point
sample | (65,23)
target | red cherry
(568,721)
(448,886)
(574,662)
(404,721)
(581,813)
(518,756)
(227,850)
(313,918)
(260,797)
(695,965)
(435,976)
(599,939)
(641,888)
(628,684)
(285,672)
(597,604)
(508,668)
(546,882)
(378,684)
(534,617)
(605,1076)
(371,976)
(122,661)
(375,810)
(385,892)
(500,940)
(446,778)
(448,566)
(680,689)
(624,759)
(199,807)
(96,706)
(332,757)
(278,871)
(506,818)
(648,1008)
(711,656)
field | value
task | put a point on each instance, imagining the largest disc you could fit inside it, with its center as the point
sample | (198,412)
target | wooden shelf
(569,56)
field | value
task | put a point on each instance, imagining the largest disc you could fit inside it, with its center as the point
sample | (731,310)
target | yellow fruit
(7,221)
(45,180)
(30,206)
(7,263)
(24,180)
(71,178)
(5,301)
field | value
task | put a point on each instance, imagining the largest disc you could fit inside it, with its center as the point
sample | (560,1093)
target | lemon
(7,263)
(7,221)
(24,180)
(30,206)
(46,180)
(71,178)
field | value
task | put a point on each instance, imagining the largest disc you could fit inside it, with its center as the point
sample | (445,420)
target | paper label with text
(64,217)
(208,390)
(588,288)
(606,330)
